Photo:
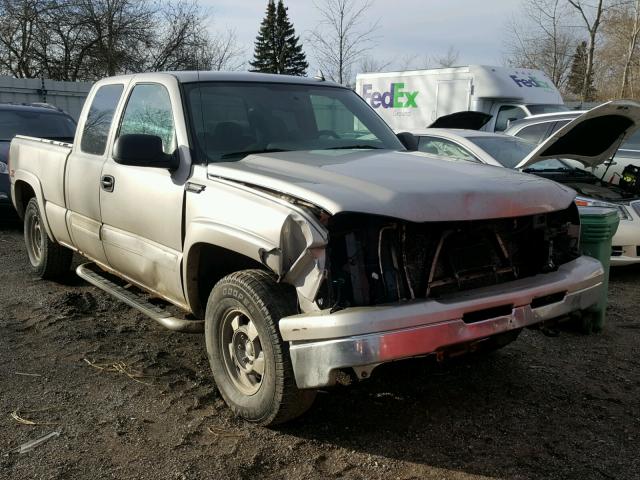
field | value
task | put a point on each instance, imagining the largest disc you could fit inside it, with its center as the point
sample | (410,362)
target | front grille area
(375,260)
(616,251)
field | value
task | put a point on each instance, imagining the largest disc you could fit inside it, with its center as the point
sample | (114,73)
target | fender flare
(33,181)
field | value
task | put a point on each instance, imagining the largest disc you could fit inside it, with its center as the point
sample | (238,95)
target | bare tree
(224,52)
(371,64)
(537,38)
(88,39)
(18,23)
(592,16)
(449,59)
(632,42)
(341,38)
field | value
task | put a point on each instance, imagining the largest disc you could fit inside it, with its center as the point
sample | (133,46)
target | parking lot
(133,400)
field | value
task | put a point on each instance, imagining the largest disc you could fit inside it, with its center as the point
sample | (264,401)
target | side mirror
(409,140)
(141,150)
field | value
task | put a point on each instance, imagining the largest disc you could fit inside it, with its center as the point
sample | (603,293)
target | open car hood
(592,138)
(467,120)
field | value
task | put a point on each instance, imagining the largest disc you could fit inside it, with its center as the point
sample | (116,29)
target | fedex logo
(396,97)
(529,82)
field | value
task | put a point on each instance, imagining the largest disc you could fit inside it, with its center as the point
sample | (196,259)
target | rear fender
(21,176)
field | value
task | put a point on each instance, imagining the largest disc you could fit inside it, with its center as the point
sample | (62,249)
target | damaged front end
(373,260)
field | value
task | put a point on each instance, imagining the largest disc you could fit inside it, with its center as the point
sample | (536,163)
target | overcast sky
(407,27)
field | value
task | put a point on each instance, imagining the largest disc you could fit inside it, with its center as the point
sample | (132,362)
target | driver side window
(148,111)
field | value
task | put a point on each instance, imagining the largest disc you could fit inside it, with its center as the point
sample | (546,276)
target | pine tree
(578,72)
(291,58)
(277,48)
(264,59)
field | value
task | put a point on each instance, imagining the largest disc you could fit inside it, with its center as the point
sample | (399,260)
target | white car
(512,152)
(537,128)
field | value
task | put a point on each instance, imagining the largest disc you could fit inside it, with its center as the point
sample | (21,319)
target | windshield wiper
(355,147)
(252,152)
(561,169)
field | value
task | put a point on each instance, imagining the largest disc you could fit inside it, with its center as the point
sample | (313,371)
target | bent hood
(592,138)
(409,185)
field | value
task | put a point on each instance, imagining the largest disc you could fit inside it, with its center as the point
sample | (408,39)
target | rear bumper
(322,343)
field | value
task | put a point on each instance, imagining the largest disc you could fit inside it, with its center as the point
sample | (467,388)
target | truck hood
(593,137)
(408,185)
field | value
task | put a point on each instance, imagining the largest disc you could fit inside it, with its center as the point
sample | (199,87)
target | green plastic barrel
(599,225)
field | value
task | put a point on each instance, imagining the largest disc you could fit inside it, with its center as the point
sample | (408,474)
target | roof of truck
(208,76)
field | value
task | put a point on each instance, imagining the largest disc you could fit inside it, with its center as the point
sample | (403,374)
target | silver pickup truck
(294,228)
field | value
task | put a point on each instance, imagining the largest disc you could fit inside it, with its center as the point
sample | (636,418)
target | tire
(241,306)
(48,259)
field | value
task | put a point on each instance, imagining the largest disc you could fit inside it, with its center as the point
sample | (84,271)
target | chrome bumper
(321,343)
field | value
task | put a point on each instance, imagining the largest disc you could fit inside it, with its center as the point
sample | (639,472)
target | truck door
(84,169)
(142,207)
(452,96)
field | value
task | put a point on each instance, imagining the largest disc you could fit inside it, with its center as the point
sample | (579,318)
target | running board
(160,315)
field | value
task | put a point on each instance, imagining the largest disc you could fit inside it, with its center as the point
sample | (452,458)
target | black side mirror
(409,140)
(141,150)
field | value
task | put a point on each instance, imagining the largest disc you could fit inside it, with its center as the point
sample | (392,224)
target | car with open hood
(589,140)
(284,220)
(537,128)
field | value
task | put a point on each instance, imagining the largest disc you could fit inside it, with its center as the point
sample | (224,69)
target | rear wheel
(48,259)
(250,362)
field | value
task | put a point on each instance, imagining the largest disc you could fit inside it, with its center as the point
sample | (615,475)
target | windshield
(542,108)
(54,126)
(633,143)
(229,120)
(508,151)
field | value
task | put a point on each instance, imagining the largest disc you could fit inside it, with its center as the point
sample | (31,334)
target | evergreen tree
(277,48)
(578,72)
(291,58)
(264,59)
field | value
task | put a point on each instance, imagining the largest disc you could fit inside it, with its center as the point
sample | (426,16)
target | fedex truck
(413,100)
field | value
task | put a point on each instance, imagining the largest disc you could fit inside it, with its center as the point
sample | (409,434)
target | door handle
(107,182)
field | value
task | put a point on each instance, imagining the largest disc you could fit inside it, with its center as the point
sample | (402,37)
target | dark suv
(35,120)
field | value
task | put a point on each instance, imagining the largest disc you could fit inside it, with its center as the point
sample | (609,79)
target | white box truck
(415,99)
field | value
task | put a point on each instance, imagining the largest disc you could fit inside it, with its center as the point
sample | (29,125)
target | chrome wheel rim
(242,351)
(35,239)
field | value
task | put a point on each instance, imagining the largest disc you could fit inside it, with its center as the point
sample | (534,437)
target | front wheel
(48,259)
(250,362)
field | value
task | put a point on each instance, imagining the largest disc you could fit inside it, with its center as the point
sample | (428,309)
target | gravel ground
(543,407)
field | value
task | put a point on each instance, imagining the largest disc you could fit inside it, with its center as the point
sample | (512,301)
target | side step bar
(160,315)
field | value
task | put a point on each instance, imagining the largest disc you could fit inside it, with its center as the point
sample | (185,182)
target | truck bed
(46,160)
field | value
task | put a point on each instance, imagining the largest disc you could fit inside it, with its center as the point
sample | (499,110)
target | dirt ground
(543,407)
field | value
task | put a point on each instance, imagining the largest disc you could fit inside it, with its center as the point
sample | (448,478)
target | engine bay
(374,260)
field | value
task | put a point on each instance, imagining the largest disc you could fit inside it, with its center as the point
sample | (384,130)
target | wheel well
(207,264)
(23,193)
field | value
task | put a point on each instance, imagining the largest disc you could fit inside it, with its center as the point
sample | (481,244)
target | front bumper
(322,343)
(626,241)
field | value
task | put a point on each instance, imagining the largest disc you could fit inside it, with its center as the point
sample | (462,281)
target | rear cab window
(95,132)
